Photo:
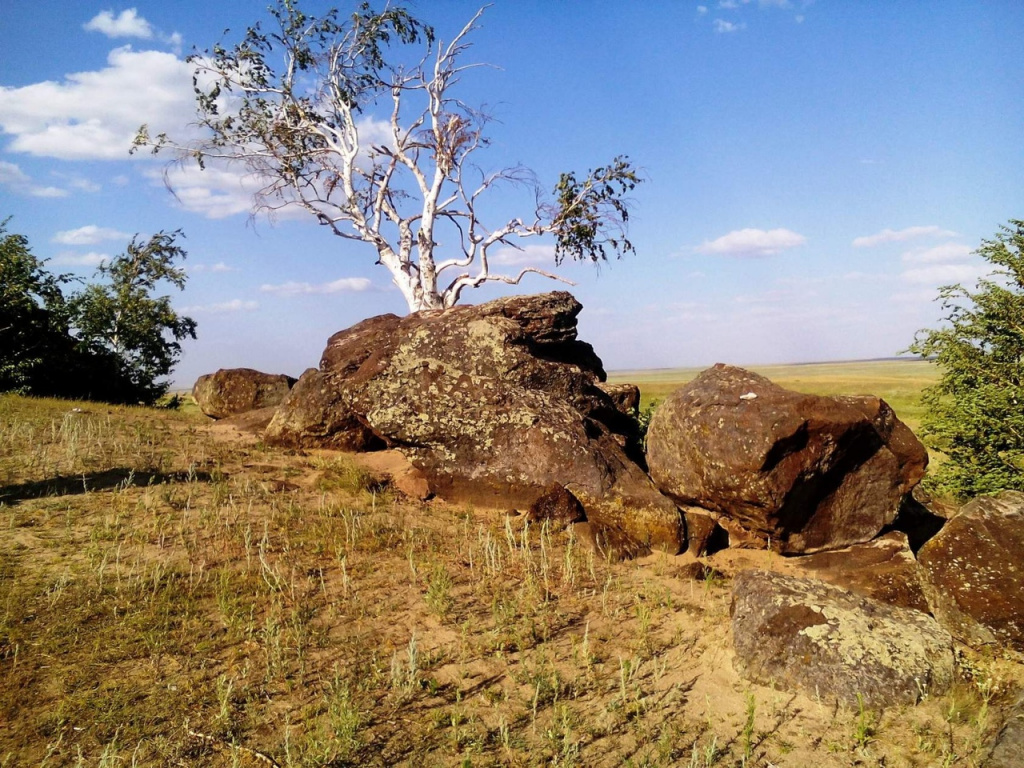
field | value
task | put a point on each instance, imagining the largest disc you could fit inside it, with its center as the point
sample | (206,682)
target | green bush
(975,413)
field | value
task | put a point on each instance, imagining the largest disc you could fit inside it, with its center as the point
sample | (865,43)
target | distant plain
(897,381)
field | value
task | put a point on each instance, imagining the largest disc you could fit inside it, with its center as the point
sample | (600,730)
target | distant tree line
(112,340)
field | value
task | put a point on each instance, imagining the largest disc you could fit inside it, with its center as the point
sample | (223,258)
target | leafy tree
(976,411)
(302,127)
(121,321)
(33,315)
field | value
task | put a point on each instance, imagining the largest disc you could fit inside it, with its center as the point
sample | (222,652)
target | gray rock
(803,634)
(1008,746)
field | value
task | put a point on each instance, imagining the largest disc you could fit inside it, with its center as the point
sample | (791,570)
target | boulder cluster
(502,405)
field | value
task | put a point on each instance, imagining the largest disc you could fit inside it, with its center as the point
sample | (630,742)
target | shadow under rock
(67,485)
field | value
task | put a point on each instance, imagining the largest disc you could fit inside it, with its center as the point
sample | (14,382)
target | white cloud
(344,285)
(89,235)
(15,179)
(938,254)
(534,254)
(91,259)
(84,184)
(94,115)
(753,242)
(215,192)
(174,40)
(702,10)
(901,235)
(724,27)
(235,305)
(943,274)
(128,23)
(219,267)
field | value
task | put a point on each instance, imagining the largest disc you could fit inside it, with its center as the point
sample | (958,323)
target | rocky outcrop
(801,472)
(973,571)
(231,391)
(494,404)
(803,634)
(883,569)
(625,396)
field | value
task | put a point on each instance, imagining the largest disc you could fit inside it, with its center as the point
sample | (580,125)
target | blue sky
(814,169)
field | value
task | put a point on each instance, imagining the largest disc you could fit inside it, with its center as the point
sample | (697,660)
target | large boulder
(495,403)
(883,569)
(803,634)
(800,472)
(231,391)
(973,571)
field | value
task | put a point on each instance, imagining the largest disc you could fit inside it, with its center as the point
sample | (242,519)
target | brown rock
(231,391)
(494,404)
(807,635)
(625,396)
(799,472)
(704,534)
(883,569)
(557,505)
(973,571)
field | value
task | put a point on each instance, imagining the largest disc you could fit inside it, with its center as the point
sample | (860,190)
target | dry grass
(170,597)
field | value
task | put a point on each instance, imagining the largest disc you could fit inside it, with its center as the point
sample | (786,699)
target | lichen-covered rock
(803,634)
(973,571)
(625,396)
(883,569)
(231,391)
(802,473)
(494,403)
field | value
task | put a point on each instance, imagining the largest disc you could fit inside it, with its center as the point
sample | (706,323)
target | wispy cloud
(753,242)
(19,182)
(900,235)
(221,308)
(344,285)
(943,274)
(89,235)
(128,23)
(535,254)
(723,27)
(91,259)
(939,254)
(217,268)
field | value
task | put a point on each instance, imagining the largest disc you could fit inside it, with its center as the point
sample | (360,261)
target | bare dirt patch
(252,604)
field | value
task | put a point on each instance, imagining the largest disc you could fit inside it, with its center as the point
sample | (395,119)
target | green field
(898,382)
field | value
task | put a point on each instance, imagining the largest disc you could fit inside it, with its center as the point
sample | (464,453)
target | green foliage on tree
(33,314)
(976,410)
(112,341)
(291,102)
(121,319)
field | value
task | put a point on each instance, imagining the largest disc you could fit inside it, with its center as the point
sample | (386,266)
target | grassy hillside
(174,593)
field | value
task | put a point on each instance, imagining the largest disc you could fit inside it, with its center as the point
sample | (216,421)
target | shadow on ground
(67,485)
